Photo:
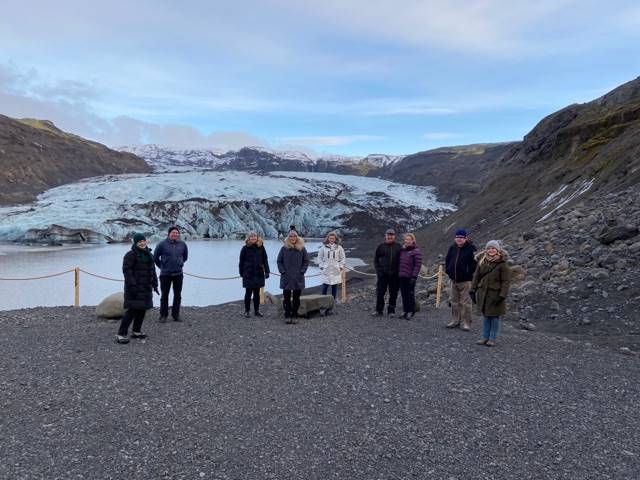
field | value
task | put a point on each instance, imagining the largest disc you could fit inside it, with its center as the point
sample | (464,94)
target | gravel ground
(220,396)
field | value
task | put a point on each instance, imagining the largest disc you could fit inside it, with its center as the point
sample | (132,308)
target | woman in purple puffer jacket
(408,269)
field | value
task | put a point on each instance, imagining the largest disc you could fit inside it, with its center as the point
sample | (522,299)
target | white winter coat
(331,259)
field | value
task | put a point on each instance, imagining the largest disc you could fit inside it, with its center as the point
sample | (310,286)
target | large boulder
(111,307)
(610,234)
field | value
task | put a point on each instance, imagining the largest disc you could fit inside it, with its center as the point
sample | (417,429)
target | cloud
(68,104)
(330,140)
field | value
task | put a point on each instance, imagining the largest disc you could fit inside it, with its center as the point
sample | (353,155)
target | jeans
(408,290)
(289,309)
(137,316)
(256,299)
(334,289)
(490,327)
(166,281)
(386,281)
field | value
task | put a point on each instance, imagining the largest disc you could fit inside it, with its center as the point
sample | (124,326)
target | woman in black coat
(293,261)
(140,281)
(254,269)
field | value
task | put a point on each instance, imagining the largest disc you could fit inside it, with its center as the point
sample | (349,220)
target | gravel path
(220,396)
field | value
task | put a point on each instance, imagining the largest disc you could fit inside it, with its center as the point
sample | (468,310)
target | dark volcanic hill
(579,152)
(35,155)
(566,204)
(457,172)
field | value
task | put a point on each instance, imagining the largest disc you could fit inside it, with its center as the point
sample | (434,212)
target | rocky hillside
(566,203)
(35,155)
(457,173)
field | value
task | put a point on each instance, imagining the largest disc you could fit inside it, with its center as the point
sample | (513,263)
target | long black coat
(293,261)
(139,280)
(253,265)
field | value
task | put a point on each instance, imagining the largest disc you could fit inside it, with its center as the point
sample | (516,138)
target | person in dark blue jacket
(170,255)
(460,266)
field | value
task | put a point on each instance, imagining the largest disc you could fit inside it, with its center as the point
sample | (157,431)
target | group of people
(480,278)
(170,255)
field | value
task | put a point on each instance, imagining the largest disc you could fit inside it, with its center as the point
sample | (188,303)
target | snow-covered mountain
(164,159)
(215,204)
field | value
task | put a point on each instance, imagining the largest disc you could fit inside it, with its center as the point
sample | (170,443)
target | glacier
(219,204)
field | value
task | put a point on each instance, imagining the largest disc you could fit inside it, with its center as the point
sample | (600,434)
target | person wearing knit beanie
(140,281)
(460,264)
(489,289)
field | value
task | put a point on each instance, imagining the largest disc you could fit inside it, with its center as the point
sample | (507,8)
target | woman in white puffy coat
(331,258)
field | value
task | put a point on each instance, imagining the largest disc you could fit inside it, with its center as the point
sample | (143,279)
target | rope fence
(439,275)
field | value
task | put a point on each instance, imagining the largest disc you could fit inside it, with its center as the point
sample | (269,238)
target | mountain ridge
(36,155)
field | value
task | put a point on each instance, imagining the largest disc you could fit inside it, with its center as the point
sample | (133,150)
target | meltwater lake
(209,258)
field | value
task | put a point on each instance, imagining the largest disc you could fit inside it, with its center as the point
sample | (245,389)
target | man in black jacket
(386,265)
(170,255)
(460,266)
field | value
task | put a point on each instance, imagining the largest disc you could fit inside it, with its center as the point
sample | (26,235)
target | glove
(500,300)
(412,282)
(266,275)
(155,289)
(472,294)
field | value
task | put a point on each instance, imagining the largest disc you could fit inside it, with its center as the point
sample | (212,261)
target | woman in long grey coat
(293,261)
(489,289)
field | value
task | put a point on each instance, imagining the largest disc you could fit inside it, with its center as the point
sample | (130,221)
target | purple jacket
(410,262)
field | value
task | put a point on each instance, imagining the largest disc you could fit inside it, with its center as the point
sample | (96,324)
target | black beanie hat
(172,228)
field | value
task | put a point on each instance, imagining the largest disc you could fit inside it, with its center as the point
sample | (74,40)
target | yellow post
(343,275)
(262,298)
(439,286)
(76,296)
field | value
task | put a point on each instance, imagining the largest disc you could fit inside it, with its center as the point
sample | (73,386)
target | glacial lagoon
(208,258)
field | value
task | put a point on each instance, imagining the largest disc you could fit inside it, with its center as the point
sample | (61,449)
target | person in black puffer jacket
(460,265)
(254,269)
(140,281)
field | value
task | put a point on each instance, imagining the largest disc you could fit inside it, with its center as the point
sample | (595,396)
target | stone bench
(309,304)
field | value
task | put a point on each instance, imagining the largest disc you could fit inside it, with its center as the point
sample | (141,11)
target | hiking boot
(466,327)
(122,339)
(247,314)
(138,335)
(328,311)
(258,314)
(375,314)
(490,343)
(177,319)
(162,319)
(408,315)
(482,341)
(452,324)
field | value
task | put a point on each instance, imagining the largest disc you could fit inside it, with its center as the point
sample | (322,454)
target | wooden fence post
(76,285)
(439,286)
(343,275)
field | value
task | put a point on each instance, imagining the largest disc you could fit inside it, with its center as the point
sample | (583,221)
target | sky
(349,77)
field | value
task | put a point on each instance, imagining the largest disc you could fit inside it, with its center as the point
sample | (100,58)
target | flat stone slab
(315,303)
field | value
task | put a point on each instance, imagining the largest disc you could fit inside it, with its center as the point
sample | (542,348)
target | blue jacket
(170,256)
